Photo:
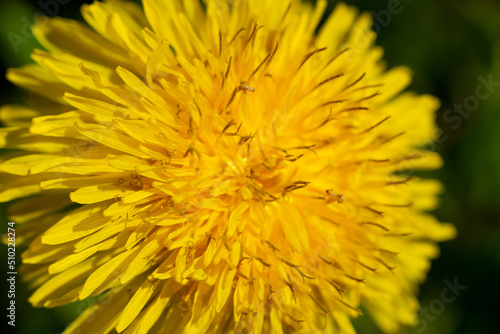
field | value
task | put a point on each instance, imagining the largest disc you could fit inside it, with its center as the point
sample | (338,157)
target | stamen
(349,306)
(410,157)
(249,279)
(392,138)
(328,80)
(338,288)
(274,248)
(296,158)
(250,144)
(262,261)
(298,321)
(354,109)
(328,119)
(286,12)
(245,258)
(273,198)
(170,156)
(244,139)
(333,102)
(271,291)
(228,125)
(236,90)
(375,224)
(254,36)
(369,86)
(386,251)
(304,148)
(235,133)
(210,237)
(254,31)
(220,43)
(272,55)
(336,56)
(355,82)
(236,35)
(365,266)
(197,108)
(360,280)
(324,309)
(269,168)
(329,220)
(296,185)
(297,268)
(189,150)
(370,97)
(226,75)
(379,213)
(224,240)
(147,215)
(309,55)
(191,129)
(397,205)
(391,183)
(151,161)
(270,76)
(385,264)
(398,234)
(258,67)
(291,287)
(325,260)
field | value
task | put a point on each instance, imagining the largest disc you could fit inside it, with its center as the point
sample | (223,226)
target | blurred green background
(449,45)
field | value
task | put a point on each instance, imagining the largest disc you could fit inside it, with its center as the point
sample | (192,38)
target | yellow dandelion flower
(220,167)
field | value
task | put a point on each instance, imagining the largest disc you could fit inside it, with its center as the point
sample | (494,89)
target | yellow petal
(20,186)
(203,311)
(136,304)
(17,115)
(36,79)
(103,315)
(76,224)
(234,218)
(156,309)
(21,139)
(223,288)
(113,139)
(72,37)
(105,274)
(94,194)
(63,282)
(73,259)
(146,252)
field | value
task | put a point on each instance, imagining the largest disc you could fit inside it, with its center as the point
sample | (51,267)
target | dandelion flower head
(220,166)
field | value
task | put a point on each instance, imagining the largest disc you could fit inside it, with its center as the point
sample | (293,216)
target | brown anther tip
(298,321)
(236,35)
(328,80)
(355,82)
(379,213)
(220,43)
(376,125)
(376,225)
(356,279)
